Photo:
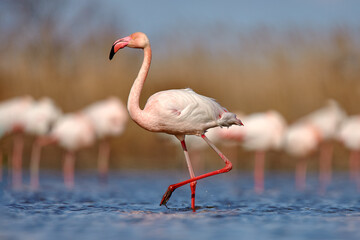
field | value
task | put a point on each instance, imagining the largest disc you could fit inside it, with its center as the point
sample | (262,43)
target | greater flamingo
(263,132)
(11,122)
(72,132)
(109,118)
(326,120)
(37,121)
(300,140)
(349,135)
(178,112)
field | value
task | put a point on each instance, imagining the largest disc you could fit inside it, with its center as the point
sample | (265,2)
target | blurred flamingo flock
(295,87)
(313,135)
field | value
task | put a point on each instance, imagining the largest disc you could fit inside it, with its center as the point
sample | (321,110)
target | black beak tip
(112,53)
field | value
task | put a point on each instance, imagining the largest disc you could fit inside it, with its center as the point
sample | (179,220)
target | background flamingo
(178,112)
(37,121)
(109,118)
(326,120)
(11,122)
(72,132)
(300,140)
(349,135)
(263,132)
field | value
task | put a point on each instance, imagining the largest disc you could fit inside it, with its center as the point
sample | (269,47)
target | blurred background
(290,56)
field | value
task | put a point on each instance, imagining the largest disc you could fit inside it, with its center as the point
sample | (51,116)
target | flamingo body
(12,113)
(349,133)
(73,131)
(108,116)
(264,131)
(326,119)
(300,140)
(38,118)
(185,112)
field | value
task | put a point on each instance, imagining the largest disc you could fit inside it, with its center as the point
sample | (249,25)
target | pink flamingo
(349,135)
(300,140)
(37,121)
(71,132)
(177,112)
(326,120)
(11,122)
(263,132)
(109,118)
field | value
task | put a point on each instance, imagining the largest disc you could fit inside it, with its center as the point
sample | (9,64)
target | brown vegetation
(293,71)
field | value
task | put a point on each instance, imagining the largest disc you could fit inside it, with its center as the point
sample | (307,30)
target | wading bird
(37,121)
(326,120)
(109,118)
(263,132)
(12,123)
(349,135)
(178,112)
(71,132)
(300,140)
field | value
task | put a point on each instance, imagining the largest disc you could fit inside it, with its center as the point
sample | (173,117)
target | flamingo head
(135,40)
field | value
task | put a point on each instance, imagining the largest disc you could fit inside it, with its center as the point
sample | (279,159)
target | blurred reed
(293,71)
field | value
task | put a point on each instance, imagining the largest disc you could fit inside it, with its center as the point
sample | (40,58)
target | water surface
(128,208)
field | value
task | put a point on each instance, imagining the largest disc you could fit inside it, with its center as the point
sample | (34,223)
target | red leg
(300,175)
(34,165)
(39,143)
(325,167)
(103,161)
(17,160)
(259,171)
(227,168)
(191,171)
(69,163)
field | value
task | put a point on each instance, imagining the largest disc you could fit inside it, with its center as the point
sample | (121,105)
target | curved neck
(133,104)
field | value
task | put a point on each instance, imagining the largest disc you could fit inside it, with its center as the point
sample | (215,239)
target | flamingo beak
(119,44)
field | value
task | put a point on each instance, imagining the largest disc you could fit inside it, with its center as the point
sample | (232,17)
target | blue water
(128,208)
